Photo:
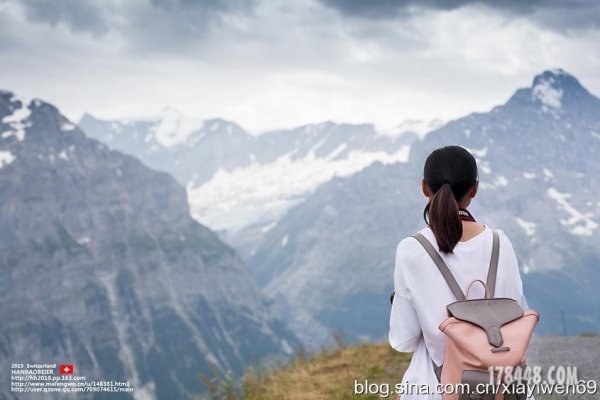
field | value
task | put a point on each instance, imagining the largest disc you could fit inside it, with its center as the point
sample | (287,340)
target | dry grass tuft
(328,375)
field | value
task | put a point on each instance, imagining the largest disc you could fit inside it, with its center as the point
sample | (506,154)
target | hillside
(102,265)
(331,375)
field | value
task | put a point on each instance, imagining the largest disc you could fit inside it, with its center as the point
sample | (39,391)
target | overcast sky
(270,64)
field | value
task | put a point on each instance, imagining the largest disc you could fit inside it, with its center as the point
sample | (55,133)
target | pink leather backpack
(481,333)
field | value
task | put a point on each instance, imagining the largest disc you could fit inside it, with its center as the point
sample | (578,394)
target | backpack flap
(489,314)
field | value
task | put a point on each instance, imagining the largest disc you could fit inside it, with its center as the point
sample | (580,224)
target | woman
(420,292)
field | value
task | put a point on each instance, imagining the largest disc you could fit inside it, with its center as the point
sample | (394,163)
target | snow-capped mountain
(172,143)
(104,268)
(328,262)
(237,181)
(412,126)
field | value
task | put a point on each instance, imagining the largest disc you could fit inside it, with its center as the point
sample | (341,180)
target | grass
(589,334)
(328,375)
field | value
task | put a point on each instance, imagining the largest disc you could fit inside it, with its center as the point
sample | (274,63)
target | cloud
(146,25)
(391,8)
(194,27)
(80,16)
(205,5)
(553,14)
(270,64)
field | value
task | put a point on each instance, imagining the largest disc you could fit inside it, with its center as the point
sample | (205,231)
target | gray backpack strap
(493,270)
(437,259)
(438,371)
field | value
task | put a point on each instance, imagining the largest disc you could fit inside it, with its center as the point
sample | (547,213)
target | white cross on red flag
(66,369)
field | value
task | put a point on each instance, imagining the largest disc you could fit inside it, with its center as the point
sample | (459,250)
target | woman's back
(421,293)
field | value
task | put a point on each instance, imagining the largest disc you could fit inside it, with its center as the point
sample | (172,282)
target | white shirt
(421,296)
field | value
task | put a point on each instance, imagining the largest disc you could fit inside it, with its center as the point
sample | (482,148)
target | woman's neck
(470,230)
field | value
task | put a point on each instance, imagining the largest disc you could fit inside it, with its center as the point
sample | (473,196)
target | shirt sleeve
(405,328)
(508,249)
(516,276)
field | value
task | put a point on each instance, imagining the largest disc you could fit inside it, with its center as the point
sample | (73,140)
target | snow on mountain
(528,227)
(261,193)
(547,94)
(16,119)
(547,88)
(6,157)
(235,180)
(578,223)
(173,128)
(412,126)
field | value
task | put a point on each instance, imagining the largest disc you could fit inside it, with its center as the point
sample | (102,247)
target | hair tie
(446,181)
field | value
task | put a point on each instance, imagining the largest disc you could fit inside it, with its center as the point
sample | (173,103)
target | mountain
(103,267)
(240,184)
(189,150)
(328,262)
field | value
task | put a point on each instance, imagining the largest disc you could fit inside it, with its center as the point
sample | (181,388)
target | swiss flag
(66,369)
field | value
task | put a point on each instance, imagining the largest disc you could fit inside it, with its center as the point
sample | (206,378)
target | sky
(271,64)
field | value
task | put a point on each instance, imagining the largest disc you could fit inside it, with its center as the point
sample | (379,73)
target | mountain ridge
(103,266)
(537,182)
(229,163)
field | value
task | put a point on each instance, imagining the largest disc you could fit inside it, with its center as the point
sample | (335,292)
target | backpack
(482,334)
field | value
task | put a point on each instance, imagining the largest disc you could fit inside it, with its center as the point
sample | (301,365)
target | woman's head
(450,181)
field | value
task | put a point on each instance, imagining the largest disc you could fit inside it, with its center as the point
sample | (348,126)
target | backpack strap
(493,270)
(441,265)
(445,271)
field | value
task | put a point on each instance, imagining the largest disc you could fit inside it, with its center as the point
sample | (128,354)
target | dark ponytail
(449,172)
